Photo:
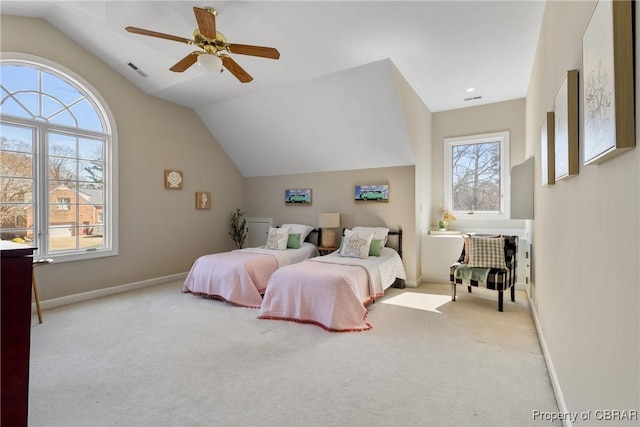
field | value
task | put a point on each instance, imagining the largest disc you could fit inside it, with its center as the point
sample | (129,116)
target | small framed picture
(547,150)
(173,179)
(297,197)
(565,138)
(203,200)
(372,193)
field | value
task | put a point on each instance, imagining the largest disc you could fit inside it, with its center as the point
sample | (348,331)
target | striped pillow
(486,252)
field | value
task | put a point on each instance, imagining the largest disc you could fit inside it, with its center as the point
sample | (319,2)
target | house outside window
(477,176)
(58,168)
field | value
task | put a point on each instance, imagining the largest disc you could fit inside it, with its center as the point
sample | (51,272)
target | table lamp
(327,222)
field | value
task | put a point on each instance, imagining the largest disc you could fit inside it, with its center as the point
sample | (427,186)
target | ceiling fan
(215,49)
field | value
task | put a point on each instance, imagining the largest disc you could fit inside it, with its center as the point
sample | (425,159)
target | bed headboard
(398,233)
(397,239)
(316,236)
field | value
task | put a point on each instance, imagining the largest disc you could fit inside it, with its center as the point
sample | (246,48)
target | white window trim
(111,159)
(505,204)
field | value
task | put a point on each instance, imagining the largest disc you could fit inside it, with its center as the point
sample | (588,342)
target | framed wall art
(372,193)
(173,179)
(565,138)
(547,160)
(297,197)
(203,200)
(608,90)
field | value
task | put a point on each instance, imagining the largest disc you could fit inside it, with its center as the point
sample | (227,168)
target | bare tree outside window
(16,186)
(476,177)
(476,185)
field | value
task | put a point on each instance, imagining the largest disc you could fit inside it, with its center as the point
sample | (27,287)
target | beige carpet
(157,357)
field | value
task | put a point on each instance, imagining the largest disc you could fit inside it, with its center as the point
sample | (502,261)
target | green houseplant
(239,228)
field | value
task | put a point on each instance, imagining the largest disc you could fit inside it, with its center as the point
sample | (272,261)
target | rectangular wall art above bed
(372,193)
(297,197)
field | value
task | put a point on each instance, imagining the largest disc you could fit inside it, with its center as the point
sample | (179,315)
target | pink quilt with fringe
(332,297)
(237,277)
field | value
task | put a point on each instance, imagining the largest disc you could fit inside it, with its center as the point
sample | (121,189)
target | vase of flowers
(446,218)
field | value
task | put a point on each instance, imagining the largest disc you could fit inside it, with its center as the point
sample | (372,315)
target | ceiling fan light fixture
(210,62)
(213,56)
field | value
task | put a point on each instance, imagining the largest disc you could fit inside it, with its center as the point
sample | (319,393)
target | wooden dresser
(17,268)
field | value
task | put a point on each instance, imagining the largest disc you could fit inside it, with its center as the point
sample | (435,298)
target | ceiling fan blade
(236,69)
(156,34)
(261,51)
(206,22)
(185,62)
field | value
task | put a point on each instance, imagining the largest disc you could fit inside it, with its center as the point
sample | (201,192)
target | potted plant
(239,228)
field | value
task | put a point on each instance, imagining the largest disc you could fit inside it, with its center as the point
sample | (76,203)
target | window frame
(503,137)
(40,162)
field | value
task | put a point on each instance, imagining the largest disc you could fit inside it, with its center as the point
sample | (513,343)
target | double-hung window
(57,162)
(477,176)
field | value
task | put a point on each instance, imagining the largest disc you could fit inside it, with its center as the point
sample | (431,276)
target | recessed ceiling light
(471,89)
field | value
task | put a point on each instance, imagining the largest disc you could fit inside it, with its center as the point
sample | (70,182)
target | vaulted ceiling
(330,102)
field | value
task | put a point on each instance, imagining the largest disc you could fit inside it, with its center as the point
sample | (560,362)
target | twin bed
(329,291)
(240,277)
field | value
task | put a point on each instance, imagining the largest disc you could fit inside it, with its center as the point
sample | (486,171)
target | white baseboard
(412,283)
(555,383)
(99,293)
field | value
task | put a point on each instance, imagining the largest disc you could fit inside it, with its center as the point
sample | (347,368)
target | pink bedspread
(237,277)
(332,297)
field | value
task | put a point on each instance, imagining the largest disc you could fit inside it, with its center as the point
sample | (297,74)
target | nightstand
(326,250)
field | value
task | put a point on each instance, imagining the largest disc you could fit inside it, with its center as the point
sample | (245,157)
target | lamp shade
(210,61)
(329,220)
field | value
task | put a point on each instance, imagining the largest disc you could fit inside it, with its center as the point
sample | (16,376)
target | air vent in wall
(137,70)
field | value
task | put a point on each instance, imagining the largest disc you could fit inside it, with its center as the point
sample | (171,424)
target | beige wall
(585,243)
(160,232)
(500,116)
(418,120)
(334,192)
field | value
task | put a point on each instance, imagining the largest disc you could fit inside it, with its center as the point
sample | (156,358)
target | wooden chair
(37,262)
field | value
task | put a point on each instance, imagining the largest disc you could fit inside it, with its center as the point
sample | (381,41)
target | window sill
(59,258)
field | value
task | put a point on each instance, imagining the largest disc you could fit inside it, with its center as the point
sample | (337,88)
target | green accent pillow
(376,247)
(294,241)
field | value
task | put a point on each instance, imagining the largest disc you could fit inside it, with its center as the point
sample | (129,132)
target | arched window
(58,163)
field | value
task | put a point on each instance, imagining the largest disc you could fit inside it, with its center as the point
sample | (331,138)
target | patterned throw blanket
(478,274)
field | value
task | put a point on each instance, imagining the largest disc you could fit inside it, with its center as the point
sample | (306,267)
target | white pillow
(277,238)
(303,229)
(356,244)
(380,232)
